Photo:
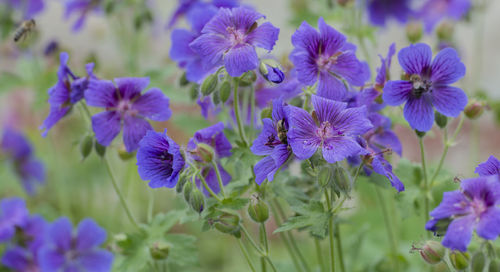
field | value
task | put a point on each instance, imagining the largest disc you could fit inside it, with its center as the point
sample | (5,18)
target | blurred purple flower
(489,167)
(427,85)
(81,8)
(215,138)
(326,57)
(186,6)
(333,127)
(433,11)
(13,213)
(28,8)
(68,90)
(381,10)
(29,169)
(272,142)
(474,206)
(159,160)
(68,251)
(125,105)
(230,38)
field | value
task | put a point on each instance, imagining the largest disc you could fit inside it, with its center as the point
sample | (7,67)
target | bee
(26,27)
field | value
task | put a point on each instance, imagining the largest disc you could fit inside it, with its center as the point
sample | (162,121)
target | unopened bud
(494,266)
(414,31)
(342,183)
(183,81)
(194,92)
(266,113)
(432,252)
(325,176)
(188,188)
(159,250)
(478,262)
(86,146)
(258,211)
(225,91)
(445,31)
(270,70)
(441,120)
(216,97)
(99,149)
(180,183)
(124,155)
(459,260)
(474,109)
(209,85)
(122,240)
(205,152)
(196,200)
(228,223)
(248,78)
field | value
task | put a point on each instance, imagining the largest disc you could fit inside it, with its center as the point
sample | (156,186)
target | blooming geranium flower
(125,105)
(475,206)
(187,6)
(230,38)
(215,138)
(64,250)
(427,85)
(68,90)
(489,167)
(333,127)
(433,11)
(80,7)
(29,8)
(159,160)
(326,57)
(273,143)
(20,153)
(381,10)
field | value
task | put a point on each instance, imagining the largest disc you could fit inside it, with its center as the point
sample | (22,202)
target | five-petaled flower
(273,143)
(332,127)
(427,85)
(159,160)
(64,250)
(230,38)
(327,57)
(125,105)
(475,206)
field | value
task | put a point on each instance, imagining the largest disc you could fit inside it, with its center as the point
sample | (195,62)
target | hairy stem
(236,105)
(245,253)
(219,178)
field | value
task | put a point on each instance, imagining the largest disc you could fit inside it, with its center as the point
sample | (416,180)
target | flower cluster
(19,152)
(32,244)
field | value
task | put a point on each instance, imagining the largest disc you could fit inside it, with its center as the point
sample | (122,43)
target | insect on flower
(24,29)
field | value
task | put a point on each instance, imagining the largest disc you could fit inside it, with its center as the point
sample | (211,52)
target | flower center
(419,85)
(478,206)
(325,62)
(236,36)
(125,107)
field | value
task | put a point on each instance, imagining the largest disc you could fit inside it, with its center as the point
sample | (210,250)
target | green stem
(263,264)
(285,239)
(447,261)
(119,193)
(245,253)
(330,233)
(292,239)
(252,242)
(339,248)
(426,184)
(204,182)
(388,227)
(151,205)
(447,144)
(217,172)
(264,243)
(271,264)
(236,105)
(319,253)
(252,110)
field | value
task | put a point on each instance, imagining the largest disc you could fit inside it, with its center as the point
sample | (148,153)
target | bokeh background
(80,189)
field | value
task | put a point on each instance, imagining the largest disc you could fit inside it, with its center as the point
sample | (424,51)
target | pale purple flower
(433,11)
(381,10)
(81,8)
(28,8)
(427,85)
(125,106)
(489,167)
(230,39)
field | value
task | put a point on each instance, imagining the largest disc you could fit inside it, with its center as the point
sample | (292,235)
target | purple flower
(81,8)
(159,160)
(427,85)
(187,6)
(29,8)
(29,169)
(13,213)
(489,167)
(273,74)
(474,206)
(272,143)
(285,91)
(381,10)
(326,57)
(333,127)
(230,38)
(433,11)
(215,138)
(68,90)
(125,105)
(80,251)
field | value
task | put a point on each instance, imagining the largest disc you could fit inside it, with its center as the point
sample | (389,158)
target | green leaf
(234,203)
(183,255)
(312,217)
